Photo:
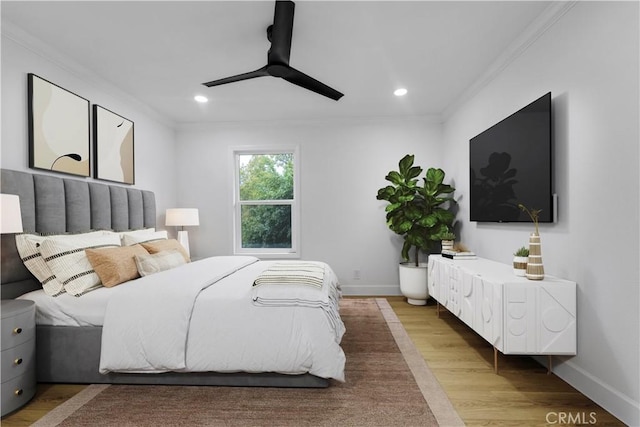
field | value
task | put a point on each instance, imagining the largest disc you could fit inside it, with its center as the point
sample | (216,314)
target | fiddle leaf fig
(415,211)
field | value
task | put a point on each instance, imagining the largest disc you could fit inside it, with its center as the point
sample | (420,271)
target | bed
(234,335)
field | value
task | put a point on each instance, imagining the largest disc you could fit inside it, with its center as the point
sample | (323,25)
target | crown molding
(533,32)
(54,56)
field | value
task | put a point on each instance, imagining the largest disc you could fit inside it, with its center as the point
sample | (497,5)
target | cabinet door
(540,318)
(434,278)
(467,298)
(487,319)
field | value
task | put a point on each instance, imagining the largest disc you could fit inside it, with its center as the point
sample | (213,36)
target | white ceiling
(160,52)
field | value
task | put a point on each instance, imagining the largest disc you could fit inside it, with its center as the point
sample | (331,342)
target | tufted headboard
(54,205)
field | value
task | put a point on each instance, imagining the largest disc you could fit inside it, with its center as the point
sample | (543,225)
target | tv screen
(511,164)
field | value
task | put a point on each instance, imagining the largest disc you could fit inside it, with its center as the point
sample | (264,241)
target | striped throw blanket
(292,273)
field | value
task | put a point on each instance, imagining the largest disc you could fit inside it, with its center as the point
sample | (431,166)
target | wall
(589,61)
(342,166)
(154,140)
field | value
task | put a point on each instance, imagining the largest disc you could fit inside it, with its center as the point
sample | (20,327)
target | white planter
(520,265)
(413,283)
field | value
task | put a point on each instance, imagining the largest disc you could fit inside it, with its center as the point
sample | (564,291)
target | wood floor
(521,394)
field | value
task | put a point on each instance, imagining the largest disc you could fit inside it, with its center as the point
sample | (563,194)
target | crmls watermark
(571,418)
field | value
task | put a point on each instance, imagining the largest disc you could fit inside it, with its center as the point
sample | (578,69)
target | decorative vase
(414,283)
(535,269)
(520,265)
(447,245)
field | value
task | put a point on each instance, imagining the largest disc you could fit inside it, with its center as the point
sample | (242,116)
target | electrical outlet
(356,274)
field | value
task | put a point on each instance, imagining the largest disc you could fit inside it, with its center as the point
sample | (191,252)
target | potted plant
(520,258)
(447,240)
(417,213)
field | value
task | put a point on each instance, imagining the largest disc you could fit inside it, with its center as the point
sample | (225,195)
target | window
(265,202)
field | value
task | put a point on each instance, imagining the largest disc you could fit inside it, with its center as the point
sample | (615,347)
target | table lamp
(11,219)
(182,217)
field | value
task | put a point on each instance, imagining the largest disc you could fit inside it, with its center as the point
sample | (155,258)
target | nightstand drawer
(18,391)
(18,360)
(17,329)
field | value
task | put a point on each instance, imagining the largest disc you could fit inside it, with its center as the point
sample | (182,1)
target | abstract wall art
(58,128)
(114,146)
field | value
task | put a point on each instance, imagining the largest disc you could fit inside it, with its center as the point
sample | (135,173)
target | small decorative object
(181,217)
(535,269)
(447,240)
(113,151)
(520,258)
(58,128)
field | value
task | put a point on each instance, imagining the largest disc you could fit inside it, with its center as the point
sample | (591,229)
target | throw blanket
(147,320)
(292,273)
(303,284)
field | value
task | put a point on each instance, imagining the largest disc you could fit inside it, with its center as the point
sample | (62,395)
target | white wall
(342,166)
(154,140)
(589,61)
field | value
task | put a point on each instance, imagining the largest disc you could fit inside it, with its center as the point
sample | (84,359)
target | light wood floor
(521,394)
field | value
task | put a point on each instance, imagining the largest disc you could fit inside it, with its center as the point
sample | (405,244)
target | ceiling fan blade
(280,33)
(300,79)
(245,76)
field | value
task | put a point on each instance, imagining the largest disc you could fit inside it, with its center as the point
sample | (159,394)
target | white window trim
(294,251)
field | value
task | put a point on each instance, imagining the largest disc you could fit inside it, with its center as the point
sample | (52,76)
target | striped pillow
(29,249)
(155,263)
(66,258)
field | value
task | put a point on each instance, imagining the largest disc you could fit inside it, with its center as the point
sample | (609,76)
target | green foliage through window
(266,190)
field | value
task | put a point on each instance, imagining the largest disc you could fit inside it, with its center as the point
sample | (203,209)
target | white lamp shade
(180,217)
(11,219)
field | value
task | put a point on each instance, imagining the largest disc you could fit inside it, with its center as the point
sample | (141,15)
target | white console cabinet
(514,314)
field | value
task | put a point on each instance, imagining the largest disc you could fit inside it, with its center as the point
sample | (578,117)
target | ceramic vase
(535,269)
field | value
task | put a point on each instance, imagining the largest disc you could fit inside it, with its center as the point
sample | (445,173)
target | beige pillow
(165,245)
(115,265)
(29,249)
(160,261)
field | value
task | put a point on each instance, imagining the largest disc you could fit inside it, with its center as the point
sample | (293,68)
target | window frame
(294,251)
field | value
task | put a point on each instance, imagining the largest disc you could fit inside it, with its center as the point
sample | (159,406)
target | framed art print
(113,146)
(58,128)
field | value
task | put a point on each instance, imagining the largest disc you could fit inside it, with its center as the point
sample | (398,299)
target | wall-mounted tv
(511,164)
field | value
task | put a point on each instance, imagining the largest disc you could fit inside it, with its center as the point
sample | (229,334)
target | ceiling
(160,52)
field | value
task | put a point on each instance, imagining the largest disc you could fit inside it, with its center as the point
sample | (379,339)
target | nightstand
(18,358)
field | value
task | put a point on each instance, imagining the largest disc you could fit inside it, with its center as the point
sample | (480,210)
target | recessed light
(201,99)
(400,92)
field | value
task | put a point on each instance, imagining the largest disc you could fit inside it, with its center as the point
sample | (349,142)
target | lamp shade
(180,217)
(11,219)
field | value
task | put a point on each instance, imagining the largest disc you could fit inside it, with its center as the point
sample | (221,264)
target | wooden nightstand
(18,353)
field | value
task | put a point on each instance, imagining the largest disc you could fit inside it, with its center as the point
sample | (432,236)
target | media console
(514,314)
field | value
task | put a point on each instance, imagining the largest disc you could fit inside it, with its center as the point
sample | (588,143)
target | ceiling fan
(279,34)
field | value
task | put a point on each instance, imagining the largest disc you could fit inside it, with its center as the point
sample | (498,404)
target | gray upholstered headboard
(53,205)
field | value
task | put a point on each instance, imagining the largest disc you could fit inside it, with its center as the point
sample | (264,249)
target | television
(511,164)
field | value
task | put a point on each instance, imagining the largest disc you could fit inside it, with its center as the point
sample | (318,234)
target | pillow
(163,245)
(159,261)
(115,265)
(135,233)
(132,239)
(66,257)
(29,249)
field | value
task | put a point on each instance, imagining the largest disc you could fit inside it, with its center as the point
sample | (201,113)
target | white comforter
(201,317)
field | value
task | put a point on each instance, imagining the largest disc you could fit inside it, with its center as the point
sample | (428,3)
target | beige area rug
(387,384)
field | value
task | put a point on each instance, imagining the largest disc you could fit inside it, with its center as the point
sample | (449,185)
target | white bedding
(226,331)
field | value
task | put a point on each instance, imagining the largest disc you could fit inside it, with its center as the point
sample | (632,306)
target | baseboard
(617,403)
(370,290)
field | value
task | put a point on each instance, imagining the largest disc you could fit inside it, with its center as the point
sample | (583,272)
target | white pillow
(29,249)
(66,258)
(134,239)
(155,263)
(135,233)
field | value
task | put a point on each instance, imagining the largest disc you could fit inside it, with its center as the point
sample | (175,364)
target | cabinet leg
(495,360)
(549,364)
(437,309)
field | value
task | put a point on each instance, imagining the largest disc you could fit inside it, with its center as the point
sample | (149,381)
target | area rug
(387,384)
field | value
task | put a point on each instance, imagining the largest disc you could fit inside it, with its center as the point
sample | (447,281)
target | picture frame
(59,135)
(114,146)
